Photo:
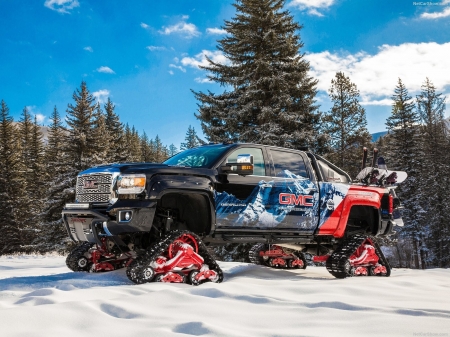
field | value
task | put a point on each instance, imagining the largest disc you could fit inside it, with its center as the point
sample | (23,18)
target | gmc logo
(89,184)
(292,199)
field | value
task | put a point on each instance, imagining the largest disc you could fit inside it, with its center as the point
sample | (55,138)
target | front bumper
(90,225)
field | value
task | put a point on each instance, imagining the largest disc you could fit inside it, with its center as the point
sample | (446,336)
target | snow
(39,296)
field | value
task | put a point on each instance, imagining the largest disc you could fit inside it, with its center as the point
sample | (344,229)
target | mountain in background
(377,135)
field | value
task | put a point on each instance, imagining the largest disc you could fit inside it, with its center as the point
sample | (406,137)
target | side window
(258,159)
(288,161)
(331,175)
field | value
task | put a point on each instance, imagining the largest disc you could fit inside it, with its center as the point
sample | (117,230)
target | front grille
(100,191)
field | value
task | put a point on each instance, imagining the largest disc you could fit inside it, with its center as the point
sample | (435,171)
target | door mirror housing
(243,165)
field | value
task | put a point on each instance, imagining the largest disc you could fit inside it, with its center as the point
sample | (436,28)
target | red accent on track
(183,239)
(361,271)
(172,278)
(297,263)
(278,261)
(320,258)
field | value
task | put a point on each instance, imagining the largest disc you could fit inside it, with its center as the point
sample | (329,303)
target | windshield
(203,156)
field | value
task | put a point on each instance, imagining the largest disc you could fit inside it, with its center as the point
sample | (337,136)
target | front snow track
(348,259)
(178,257)
(77,259)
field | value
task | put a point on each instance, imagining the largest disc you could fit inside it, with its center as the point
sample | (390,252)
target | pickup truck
(157,220)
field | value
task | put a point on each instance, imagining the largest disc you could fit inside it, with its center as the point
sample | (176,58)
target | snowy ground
(39,296)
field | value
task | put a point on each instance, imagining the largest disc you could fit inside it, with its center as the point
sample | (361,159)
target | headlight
(131,183)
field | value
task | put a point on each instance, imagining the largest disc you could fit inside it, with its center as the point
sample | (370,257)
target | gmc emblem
(292,199)
(87,184)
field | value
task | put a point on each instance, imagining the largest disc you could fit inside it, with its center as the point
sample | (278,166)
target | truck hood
(148,169)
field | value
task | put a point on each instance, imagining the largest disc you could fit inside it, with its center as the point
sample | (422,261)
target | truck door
(296,188)
(264,201)
(239,201)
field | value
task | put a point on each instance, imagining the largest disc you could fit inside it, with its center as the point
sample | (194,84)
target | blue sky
(145,54)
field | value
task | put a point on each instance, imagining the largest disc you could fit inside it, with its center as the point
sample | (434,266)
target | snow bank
(39,296)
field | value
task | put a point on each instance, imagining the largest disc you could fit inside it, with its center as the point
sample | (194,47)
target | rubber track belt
(136,269)
(254,256)
(338,263)
(76,254)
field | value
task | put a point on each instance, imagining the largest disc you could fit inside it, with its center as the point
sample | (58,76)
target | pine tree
(80,121)
(146,150)
(159,150)
(28,206)
(434,176)
(172,150)
(135,146)
(191,139)
(100,140)
(403,151)
(59,188)
(272,97)
(35,184)
(116,152)
(346,125)
(11,184)
(25,131)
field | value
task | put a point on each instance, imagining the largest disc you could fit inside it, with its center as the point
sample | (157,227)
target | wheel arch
(190,204)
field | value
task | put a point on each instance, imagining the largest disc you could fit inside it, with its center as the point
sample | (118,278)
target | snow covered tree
(100,140)
(80,122)
(191,139)
(403,153)
(25,133)
(434,175)
(11,184)
(346,125)
(116,151)
(58,187)
(269,96)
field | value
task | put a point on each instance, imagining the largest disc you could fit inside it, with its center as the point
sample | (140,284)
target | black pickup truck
(158,219)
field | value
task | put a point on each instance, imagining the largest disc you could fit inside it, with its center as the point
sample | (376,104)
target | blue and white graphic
(262,207)
(331,196)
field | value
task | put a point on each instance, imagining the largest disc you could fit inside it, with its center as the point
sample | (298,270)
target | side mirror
(243,165)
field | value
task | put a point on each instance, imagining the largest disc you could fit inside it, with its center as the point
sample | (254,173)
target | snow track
(39,296)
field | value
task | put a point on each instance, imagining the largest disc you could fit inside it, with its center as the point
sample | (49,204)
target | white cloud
(104,69)
(170,72)
(61,6)
(89,49)
(376,75)
(385,101)
(101,96)
(177,67)
(437,15)
(312,6)
(33,111)
(188,30)
(144,25)
(40,118)
(200,59)
(312,3)
(156,48)
(216,31)
(202,80)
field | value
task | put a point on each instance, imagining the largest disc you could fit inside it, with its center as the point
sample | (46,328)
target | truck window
(288,161)
(259,168)
(331,175)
